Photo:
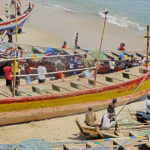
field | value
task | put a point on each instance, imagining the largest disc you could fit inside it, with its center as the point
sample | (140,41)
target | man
(76,41)
(7,70)
(64,45)
(41,74)
(108,121)
(27,71)
(111,106)
(148,104)
(86,62)
(112,65)
(73,65)
(90,118)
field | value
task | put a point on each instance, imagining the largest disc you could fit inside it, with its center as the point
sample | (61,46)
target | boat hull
(7,25)
(24,109)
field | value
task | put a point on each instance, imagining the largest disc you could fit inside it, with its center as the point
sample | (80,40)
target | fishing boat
(124,126)
(70,95)
(9,22)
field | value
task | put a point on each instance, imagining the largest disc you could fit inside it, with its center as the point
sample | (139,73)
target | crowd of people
(122,63)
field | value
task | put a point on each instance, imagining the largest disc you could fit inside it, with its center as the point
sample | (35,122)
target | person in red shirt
(7,70)
(58,75)
(64,45)
(122,47)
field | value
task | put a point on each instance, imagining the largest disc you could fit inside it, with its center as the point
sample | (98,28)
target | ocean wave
(121,21)
(56,6)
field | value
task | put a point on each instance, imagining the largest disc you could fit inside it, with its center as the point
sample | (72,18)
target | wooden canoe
(69,96)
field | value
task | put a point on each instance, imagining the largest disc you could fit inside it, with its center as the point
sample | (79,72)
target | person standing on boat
(148,104)
(86,62)
(64,45)
(112,65)
(90,118)
(73,65)
(7,70)
(27,71)
(76,41)
(41,74)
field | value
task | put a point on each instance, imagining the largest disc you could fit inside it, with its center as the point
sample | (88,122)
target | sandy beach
(50,27)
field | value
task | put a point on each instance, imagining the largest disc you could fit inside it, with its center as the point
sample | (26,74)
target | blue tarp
(49,50)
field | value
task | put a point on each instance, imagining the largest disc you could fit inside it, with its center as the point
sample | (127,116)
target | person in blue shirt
(73,65)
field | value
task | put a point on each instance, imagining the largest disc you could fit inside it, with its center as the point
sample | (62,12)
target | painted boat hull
(24,109)
(11,24)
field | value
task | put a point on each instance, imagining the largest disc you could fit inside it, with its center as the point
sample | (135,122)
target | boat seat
(80,85)
(5,92)
(20,92)
(64,86)
(116,78)
(130,75)
(44,90)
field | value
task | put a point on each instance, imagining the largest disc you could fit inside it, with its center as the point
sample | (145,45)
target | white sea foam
(56,6)
(121,21)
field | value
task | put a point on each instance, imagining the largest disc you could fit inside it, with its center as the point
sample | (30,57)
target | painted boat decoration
(69,96)
(11,24)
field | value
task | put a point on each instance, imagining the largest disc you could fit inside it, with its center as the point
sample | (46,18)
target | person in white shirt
(112,65)
(108,121)
(41,74)
(148,104)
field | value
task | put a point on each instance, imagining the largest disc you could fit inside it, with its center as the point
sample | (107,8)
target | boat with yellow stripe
(70,96)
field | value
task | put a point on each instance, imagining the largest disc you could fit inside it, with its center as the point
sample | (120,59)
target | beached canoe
(7,23)
(124,126)
(70,96)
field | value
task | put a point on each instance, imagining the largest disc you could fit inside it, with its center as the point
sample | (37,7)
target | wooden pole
(97,66)
(147,46)
(16,47)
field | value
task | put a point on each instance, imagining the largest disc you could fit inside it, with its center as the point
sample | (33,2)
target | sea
(123,13)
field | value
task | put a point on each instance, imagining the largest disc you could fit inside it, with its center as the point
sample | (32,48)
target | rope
(147,74)
(56,72)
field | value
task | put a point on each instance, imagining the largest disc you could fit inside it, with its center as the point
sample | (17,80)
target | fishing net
(34,144)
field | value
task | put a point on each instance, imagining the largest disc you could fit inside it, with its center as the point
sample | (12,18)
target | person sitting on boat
(41,73)
(90,118)
(148,104)
(118,64)
(64,45)
(85,74)
(142,61)
(112,65)
(108,121)
(111,106)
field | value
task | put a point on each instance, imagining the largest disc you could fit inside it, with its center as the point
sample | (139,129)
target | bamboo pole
(16,47)
(147,46)
(97,66)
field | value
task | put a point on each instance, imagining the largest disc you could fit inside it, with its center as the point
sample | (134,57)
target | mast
(98,65)
(147,46)
(16,47)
